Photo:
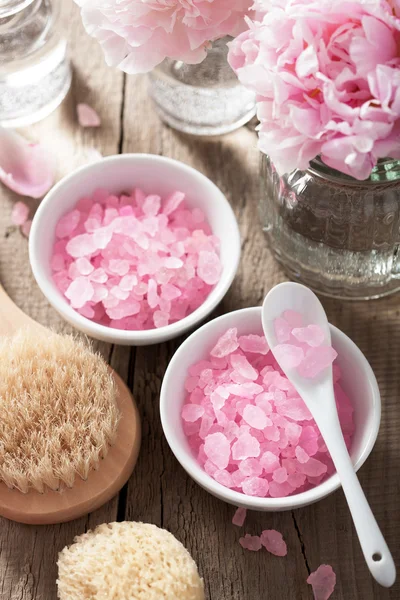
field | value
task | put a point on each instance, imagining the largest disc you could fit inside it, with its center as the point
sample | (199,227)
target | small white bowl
(358,381)
(153,174)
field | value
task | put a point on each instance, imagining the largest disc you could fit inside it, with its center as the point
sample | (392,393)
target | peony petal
(26,168)
(87,116)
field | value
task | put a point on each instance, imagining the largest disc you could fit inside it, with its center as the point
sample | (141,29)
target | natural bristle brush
(69,427)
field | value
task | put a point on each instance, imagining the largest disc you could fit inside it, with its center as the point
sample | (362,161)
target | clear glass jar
(35,73)
(333,233)
(204,99)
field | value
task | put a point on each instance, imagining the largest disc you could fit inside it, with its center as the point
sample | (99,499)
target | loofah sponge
(58,411)
(128,561)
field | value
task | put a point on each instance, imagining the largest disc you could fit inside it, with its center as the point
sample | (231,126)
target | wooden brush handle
(11,317)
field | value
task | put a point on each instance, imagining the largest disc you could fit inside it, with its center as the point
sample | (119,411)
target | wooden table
(159,491)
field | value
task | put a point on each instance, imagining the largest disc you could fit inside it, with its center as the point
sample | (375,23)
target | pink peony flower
(136,35)
(327,75)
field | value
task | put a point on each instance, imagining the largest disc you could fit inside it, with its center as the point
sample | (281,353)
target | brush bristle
(58,411)
(128,561)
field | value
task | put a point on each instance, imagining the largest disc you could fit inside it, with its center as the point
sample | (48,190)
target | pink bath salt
(210,468)
(192,412)
(20,213)
(243,367)
(273,541)
(294,408)
(170,291)
(255,344)
(271,433)
(301,455)
(217,400)
(79,292)
(67,224)
(238,478)
(206,423)
(128,282)
(250,542)
(218,449)
(87,116)
(282,330)
(209,267)
(81,245)
(312,335)
(280,475)
(294,318)
(288,356)
(172,202)
(152,296)
(57,263)
(293,432)
(269,462)
(263,400)
(151,206)
(246,446)
(161,318)
(255,486)
(26,228)
(226,344)
(125,308)
(323,582)
(84,266)
(255,417)
(309,439)
(296,480)
(239,517)
(223,477)
(280,490)
(314,468)
(191,383)
(316,361)
(251,467)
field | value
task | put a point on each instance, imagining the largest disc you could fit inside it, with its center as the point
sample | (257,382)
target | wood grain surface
(159,491)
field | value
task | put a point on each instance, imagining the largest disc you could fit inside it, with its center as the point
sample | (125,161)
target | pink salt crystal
(152,296)
(294,408)
(87,116)
(101,237)
(119,267)
(79,292)
(295,319)
(86,311)
(296,480)
(246,446)
(280,475)
(273,541)
(209,267)
(210,468)
(26,228)
(316,361)
(239,517)
(254,343)
(313,468)
(226,344)
(197,368)
(217,401)
(218,449)
(128,282)
(280,490)
(125,308)
(255,486)
(309,439)
(238,478)
(244,368)
(206,423)
(20,213)
(288,356)
(293,432)
(282,330)
(172,262)
(81,245)
(170,291)
(68,223)
(192,412)
(323,582)
(301,455)
(191,383)
(172,202)
(312,335)
(269,462)
(251,467)
(255,417)
(161,319)
(224,478)
(57,262)
(84,266)
(151,206)
(250,542)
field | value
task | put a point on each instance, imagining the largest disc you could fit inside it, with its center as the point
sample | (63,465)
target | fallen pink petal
(87,116)
(273,541)
(26,228)
(20,213)
(25,167)
(323,582)
(239,517)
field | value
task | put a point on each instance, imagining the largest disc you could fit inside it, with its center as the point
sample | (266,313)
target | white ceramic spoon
(319,397)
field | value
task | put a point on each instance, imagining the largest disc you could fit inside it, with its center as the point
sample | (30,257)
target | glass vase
(35,73)
(333,233)
(204,99)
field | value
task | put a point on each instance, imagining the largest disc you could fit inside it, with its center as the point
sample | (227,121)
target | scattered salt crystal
(239,517)
(312,335)
(254,343)
(323,582)
(20,213)
(255,486)
(273,541)
(250,542)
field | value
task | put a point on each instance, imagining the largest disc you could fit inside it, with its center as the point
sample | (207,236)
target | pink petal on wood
(87,116)
(323,582)
(26,168)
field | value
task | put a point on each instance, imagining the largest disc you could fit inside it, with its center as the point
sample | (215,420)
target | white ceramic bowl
(153,174)
(358,381)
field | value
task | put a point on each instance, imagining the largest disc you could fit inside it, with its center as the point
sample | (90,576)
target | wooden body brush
(69,427)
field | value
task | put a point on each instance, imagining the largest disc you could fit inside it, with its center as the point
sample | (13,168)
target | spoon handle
(373,545)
